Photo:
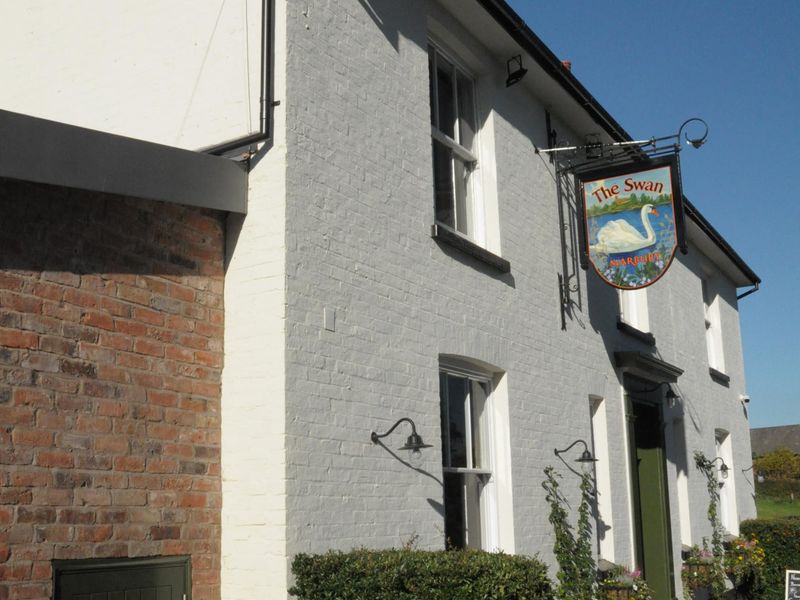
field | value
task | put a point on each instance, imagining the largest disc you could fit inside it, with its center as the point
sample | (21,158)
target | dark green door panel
(162,578)
(651,509)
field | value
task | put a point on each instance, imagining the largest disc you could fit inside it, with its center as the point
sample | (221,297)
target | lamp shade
(414,443)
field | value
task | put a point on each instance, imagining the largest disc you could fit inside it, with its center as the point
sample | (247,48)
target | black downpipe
(267,79)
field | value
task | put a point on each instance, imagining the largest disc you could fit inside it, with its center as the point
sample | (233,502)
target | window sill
(446,235)
(719,376)
(630,330)
(466,471)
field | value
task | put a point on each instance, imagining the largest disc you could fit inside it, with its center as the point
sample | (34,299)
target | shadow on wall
(385,13)
(54,229)
(407,464)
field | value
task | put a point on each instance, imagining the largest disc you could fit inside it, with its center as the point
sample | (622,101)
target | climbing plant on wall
(572,548)
(716,575)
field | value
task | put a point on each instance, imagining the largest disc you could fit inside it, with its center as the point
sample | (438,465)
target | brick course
(110,362)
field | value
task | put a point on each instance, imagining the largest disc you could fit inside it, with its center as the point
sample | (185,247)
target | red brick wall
(111,328)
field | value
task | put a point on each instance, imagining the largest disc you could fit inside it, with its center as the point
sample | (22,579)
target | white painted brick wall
(254,500)
(339,218)
(359,211)
(183,73)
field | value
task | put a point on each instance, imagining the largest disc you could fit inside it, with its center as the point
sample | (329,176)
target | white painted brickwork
(254,507)
(183,73)
(339,224)
(359,211)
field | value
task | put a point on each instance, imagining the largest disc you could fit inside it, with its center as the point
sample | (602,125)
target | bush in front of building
(781,463)
(780,539)
(417,574)
(785,490)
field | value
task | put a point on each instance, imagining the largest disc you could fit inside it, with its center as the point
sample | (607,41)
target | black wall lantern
(515,70)
(723,469)
(585,457)
(414,443)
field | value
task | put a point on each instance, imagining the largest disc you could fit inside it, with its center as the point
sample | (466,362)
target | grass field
(770,508)
(778,498)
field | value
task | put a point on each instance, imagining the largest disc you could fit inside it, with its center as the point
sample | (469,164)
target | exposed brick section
(110,362)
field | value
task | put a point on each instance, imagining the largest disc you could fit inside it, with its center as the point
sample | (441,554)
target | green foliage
(699,571)
(716,572)
(622,583)
(632,202)
(780,540)
(408,574)
(778,464)
(744,565)
(779,489)
(573,551)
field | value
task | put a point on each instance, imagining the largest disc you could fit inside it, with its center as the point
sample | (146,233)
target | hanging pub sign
(632,220)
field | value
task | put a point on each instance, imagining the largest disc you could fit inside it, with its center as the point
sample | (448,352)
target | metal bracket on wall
(565,289)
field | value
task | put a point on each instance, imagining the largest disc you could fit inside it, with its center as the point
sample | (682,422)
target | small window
(633,309)
(466,460)
(716,358)
(454,128)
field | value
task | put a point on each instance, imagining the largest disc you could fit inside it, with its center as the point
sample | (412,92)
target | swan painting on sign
(630,224)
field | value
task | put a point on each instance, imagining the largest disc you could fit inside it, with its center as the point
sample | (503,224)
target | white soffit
(551,93)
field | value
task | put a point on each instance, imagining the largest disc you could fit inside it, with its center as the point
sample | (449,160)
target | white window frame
(470,157)
(633,309)
(711,316)
(484,505)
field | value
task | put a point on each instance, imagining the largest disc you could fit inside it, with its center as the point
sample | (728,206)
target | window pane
(431,79)
(454,530)
(466,111)
(444,195)
(478,421)
(457,426)
(463,197)
(444,89)
(472,490)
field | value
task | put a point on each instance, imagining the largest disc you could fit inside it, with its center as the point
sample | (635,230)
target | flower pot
(618,593)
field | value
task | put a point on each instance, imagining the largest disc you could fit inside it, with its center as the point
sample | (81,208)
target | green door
(651,509)
(164,578)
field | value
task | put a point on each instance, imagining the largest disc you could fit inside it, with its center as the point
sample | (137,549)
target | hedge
(417,574)
(780,489)
(780,539)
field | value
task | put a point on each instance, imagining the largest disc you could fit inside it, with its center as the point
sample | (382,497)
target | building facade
(405,253)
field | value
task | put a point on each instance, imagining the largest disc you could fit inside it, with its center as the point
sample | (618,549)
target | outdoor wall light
(723,469)
(414,443)
(518,72)
(586,456)
(672,397)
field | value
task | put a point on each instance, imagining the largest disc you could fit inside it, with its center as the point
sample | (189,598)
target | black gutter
(509,20)
(266,100)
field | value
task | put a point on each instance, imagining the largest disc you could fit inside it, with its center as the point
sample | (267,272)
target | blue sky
(736,64)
